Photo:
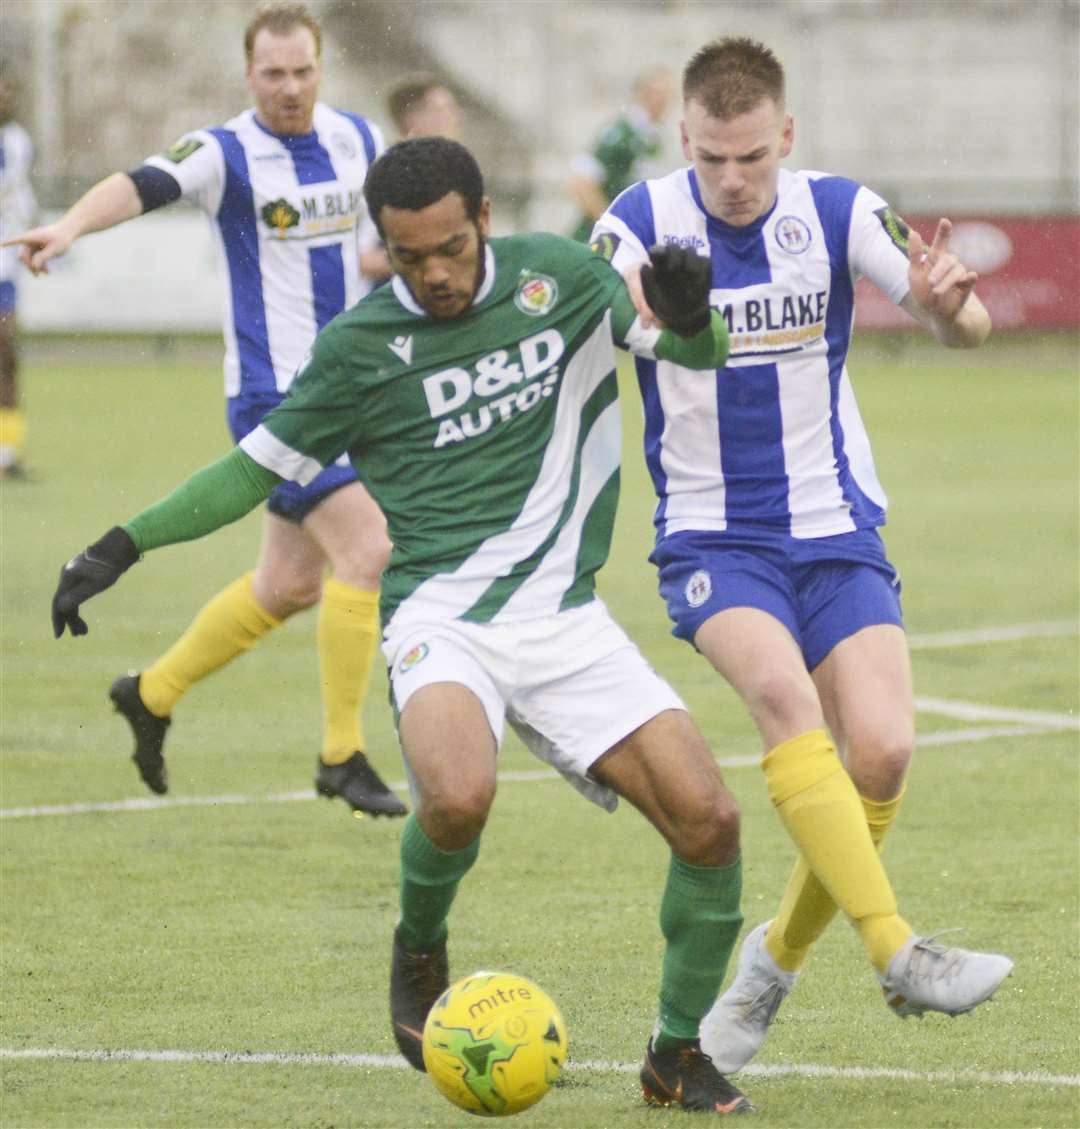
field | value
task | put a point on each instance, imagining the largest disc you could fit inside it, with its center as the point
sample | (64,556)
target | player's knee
(459,810)
(879,764)
(784,699)
(288,593)
(363,558)
(707,830)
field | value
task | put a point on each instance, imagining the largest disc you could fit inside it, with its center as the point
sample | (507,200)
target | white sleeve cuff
(269,451)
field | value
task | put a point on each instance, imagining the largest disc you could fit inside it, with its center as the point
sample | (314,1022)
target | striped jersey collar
(728,228)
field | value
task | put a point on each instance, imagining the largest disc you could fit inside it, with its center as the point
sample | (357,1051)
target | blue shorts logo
(698,588)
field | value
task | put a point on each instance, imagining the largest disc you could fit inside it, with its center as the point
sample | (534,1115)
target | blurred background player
(425,105)
(769,504)
(421,104)
(623,150)
(18,209)
(282,184)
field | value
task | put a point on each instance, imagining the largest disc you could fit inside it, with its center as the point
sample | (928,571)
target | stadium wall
(970,109)
(164,275)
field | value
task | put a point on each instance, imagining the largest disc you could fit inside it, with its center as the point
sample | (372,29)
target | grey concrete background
(948,106)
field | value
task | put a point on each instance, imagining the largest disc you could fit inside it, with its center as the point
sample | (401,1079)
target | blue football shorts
(290,500)
(7,297)
(821,589)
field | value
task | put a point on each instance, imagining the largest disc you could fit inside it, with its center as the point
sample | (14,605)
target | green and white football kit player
(519,395)
(491,440)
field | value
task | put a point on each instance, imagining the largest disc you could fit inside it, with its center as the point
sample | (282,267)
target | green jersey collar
(404,294)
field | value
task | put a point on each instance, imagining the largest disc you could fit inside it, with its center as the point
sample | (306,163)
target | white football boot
(925,976)
(735,1028)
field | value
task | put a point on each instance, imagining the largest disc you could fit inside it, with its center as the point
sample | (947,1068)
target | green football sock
(429,882)
(700,918)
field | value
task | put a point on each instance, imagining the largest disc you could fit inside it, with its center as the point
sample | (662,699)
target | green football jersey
(491,441)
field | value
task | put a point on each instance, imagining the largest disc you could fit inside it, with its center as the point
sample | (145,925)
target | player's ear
(685,138)
(787,135)
(483,218)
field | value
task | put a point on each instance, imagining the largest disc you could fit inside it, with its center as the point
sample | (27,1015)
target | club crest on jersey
(415,656)
(280,215)
(793,234)
(698,588)
(536,293)
(343,144)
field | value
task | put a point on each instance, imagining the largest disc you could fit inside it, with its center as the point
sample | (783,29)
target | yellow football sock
(806,908)
(12,434)
(230,624)
(819,807)
(347,633)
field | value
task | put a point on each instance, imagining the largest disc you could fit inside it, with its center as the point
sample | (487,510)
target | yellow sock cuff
(881,814)
(245,604)
(12,428)
(799,763)
(337,594)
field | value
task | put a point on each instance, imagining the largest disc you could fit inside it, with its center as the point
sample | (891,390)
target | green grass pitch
(264,926)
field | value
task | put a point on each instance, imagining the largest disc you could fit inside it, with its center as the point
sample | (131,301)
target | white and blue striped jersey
(17,204)
(774,440)
(289,215)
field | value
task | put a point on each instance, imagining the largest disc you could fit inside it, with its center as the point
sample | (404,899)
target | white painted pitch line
(972,711)
(396,1062)
(980,635)
(156,803)
(979,733)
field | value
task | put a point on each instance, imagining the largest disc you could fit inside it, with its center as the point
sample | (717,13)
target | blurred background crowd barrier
(965,108)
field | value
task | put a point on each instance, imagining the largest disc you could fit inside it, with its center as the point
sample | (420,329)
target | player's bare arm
(942,295)
(109,202)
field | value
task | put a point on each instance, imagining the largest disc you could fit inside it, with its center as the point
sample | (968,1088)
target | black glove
(92,571)
(676,284)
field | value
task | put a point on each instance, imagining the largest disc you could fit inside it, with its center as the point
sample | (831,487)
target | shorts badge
(698,588)
(415,656)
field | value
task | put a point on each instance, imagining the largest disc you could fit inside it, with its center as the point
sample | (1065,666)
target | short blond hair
(732,76)
(279,19)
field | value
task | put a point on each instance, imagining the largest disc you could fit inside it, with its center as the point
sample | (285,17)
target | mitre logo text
(508,382)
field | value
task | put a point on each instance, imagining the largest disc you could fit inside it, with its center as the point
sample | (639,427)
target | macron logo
(401,347)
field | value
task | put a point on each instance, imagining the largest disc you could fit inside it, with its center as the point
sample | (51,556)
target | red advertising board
(1029,272)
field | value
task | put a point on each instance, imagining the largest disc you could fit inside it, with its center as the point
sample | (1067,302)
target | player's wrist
(116,548)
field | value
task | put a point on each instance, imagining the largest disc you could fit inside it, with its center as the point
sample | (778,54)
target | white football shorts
(571,685)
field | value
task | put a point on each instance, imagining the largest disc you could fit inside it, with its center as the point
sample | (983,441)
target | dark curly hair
(415,174)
